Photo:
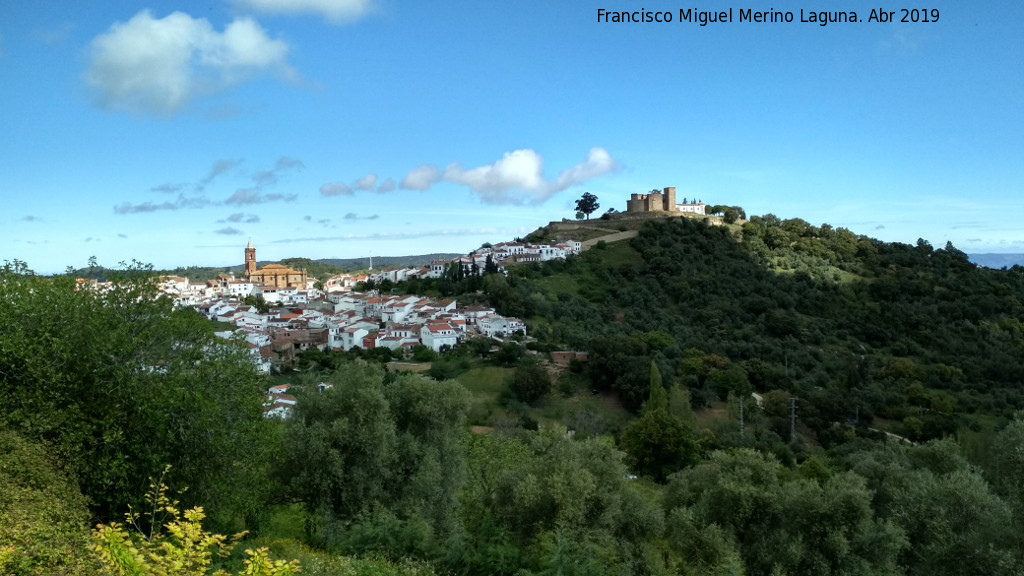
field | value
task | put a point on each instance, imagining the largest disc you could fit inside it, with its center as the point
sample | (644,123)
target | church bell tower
(250,260)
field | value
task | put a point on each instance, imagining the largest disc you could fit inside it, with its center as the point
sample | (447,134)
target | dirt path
(610,238)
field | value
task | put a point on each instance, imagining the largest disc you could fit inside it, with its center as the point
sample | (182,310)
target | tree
(786,524)
(530,382)
(119,384)
(658,443)
(373,443)
(587,204)
(953,521)
(565,505)
(489,266)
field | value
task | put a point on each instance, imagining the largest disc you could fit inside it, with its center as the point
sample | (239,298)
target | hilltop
(912,339)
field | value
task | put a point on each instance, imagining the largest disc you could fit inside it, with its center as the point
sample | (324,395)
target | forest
(868,398)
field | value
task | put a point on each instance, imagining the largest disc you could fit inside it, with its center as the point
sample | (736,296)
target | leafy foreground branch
(184,550)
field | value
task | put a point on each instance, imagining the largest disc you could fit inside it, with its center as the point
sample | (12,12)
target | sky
(174,132)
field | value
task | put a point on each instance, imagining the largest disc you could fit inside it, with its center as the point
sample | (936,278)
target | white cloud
(182,202)
(270,177)
(249,196)
(336,189)
(241,217)
(149,65)
(421,178)
(332,10)
(522,169)
(219,167)
(518,177)
(598,163)
(367,182)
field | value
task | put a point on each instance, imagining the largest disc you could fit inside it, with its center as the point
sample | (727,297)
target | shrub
(141,547)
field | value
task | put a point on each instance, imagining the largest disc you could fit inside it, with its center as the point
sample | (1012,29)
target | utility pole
(792,418)
(741,420)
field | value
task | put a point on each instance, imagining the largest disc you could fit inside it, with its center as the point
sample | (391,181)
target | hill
(997,261)
(320,269)
(649,455)
(910,338)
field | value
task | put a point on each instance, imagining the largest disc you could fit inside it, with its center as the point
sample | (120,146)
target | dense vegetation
(854,327)
(842,338)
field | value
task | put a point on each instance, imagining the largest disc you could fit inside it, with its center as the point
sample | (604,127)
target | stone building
(664,201)
(273,275)
(655,201)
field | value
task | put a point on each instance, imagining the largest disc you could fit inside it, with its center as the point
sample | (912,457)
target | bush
(42,514)
(421,353)
(448,368)
(509,354)
(141,547)
(530,382)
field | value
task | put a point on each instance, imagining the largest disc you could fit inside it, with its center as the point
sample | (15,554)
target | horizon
(171,131)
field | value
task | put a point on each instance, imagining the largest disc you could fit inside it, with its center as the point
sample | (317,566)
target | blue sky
(173,132)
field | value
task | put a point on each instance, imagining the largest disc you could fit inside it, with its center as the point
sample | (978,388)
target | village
(301,313)
(279,312)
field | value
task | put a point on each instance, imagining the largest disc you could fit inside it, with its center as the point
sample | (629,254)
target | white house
(240,288)
(497,326)
(437,269)
(349,338)
(473,314)
(697,208)
(436,335)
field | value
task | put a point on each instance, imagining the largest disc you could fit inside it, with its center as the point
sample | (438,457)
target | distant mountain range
(321,268)
(997,261)
(379,262)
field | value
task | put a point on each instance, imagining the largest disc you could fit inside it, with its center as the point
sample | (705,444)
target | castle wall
(655,202)
(670,198)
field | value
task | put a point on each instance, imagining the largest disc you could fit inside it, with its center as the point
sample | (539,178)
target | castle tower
(250,260)
(655,201)
(670,199)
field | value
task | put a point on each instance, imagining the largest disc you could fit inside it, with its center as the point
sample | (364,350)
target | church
(272,275)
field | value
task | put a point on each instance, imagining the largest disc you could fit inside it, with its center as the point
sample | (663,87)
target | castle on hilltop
(664,201)
(273,275)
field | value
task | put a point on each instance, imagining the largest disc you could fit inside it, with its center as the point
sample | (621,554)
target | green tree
(562,504)
(377,443)
(587,204)
(786,525)
(658,443)
(953,521)
(43,516)
(530,382)
(120,383)
(658,398)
